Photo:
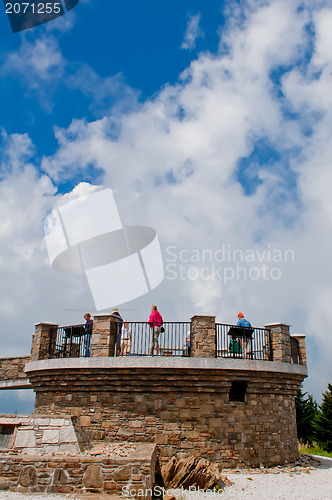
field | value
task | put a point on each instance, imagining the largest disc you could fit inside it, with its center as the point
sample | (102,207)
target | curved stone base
(219,410)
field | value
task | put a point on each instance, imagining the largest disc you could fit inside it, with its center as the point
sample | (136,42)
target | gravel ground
(309,484)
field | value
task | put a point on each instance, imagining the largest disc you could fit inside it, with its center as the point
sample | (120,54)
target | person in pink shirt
(155,322)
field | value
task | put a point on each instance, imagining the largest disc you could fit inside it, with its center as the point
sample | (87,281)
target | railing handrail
(164,322)
(240,326)
(173,340)
(62,344)
(69,326)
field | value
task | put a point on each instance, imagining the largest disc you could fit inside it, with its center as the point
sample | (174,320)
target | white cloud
(193,31)
(42,68)
(37,61)
(103,93)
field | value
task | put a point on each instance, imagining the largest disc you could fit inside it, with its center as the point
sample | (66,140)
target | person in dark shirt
(88,334)
(116,313)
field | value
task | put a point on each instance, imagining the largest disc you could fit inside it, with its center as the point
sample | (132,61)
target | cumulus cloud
(38,61)
(172,163)
(193,31)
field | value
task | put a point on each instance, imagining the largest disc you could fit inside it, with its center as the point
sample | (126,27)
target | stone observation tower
(205,401)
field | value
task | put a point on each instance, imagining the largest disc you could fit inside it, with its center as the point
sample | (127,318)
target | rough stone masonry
(230,411)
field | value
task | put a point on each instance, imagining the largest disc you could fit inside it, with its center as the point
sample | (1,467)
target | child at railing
(126,340)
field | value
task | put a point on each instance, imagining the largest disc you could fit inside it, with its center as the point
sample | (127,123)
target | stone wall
(42,435)
(12,369)
(184,411)
(81,474)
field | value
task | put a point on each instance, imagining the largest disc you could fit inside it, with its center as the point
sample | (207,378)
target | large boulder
(194,472)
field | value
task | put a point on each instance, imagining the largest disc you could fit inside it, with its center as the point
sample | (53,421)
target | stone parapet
(203,336)
(12,372)
(44,336)
(104,333)
(281,342)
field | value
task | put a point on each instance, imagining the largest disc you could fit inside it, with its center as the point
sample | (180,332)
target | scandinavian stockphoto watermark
(86,235)
(226,263)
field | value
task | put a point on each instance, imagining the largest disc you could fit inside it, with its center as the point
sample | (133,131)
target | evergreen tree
(323,421)
(306,411)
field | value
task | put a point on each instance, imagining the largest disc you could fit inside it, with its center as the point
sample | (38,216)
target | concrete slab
(51,436)
(161,362)
(25,439)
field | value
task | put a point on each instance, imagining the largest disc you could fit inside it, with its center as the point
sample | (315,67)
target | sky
(211,122)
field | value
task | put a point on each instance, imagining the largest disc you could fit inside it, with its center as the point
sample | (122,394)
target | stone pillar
(281,343)
(43,340)
(104,333)
(203,336)
(302,349)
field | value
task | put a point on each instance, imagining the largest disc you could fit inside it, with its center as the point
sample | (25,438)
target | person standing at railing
(155,322)
(247,334)
(187,344)
(126,339)
(116,313)
(88,334)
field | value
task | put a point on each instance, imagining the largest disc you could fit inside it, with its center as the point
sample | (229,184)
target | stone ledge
(15,384)
(49,323)
(167,362)
(277,324)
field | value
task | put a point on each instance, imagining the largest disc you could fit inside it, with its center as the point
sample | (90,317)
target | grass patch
(313,449)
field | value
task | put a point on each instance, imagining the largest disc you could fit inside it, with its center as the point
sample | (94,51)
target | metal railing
(73,341)
(69,341)
(243,342)
(171,342)
(231,341)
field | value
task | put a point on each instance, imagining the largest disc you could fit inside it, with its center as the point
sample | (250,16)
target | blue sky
(138,41)
(210,121)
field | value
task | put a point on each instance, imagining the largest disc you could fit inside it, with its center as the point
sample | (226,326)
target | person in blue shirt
(245,339)
(242,321)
